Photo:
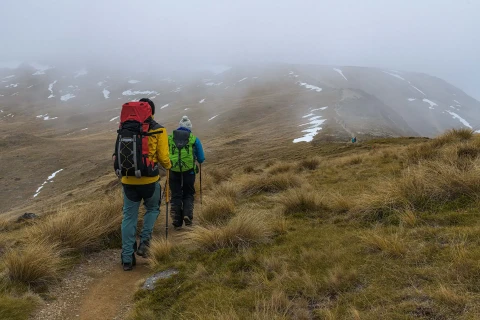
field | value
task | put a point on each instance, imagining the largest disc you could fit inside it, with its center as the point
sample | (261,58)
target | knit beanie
(185,123)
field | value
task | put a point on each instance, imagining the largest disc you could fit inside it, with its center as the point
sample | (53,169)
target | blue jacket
(199,154)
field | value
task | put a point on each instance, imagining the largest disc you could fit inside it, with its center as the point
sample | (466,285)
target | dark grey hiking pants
(182,196)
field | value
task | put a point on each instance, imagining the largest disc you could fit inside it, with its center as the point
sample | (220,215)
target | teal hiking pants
(132,197)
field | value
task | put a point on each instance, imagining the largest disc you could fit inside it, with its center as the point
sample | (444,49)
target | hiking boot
(128,266)
(188,221)
(142,250)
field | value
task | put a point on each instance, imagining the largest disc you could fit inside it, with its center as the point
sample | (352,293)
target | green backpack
(182,153)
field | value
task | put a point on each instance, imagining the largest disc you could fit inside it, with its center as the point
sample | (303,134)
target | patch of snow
(134,93)
(411,99)
(309,86)
(201,101)
(241,80)
(8,77)
(1,111)
(67,97)
(50,88)
(341,73)
(417,89)
(106,93)
(308,115)
(178,89)
(164,106)
(315,126)
(84,129)
(394,75)
(431,103)
(113,119)
(100,83)
(133,81)
(40,68)
(463,121)
(456,101)
(13,85)
(319,109)
(213,117)
(15,94)
(187,109)
(30,86)
(50,177)
(452,107)
(80,73)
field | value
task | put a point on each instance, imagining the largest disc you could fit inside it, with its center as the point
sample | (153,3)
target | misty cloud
(439,37)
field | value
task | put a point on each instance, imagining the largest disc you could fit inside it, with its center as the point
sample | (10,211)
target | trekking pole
(201,197)
(167,200)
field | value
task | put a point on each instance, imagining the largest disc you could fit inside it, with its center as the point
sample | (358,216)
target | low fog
(439,37)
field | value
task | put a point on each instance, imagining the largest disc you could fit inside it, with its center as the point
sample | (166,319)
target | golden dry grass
(302,201)
(309,164)
(269,184)
(245,229)
(35,263)
(226,189)
(279,168)
(217,210)
(390,245)
(82,228)
(160,251)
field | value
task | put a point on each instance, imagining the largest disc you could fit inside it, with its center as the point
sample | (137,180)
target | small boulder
(150,282)
(27,216)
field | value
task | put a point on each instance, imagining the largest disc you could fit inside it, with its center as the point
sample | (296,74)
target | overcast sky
(440,37)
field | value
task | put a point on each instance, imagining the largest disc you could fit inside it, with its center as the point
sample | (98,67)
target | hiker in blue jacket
(185,150)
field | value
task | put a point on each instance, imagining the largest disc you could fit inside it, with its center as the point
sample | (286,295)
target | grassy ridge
(385,231)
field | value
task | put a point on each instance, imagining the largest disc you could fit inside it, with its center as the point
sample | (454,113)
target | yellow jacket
(157,152)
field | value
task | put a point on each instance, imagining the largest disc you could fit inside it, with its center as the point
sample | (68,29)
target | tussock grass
(277,307)
(279,168)
(391,245)
(447,296)
(160,251)
(218,175)
(453,135)
(270,184)
(309,164)
(249,169)
(81,229)
(226,189)
(35,264)
(302,201)
(18,308)
(217,210)
(245,229)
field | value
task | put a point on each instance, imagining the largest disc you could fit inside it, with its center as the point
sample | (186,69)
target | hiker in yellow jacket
(142,186)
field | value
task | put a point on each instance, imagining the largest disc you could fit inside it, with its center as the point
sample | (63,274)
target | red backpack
(131,148)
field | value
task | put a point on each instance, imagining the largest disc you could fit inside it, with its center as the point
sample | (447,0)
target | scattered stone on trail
(27,216)
(150,282)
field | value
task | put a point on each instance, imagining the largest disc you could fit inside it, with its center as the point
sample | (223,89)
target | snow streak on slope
(417,89)
(40,69)
(213,117)
(411,99)
(134,93)
(313,129)
(394,75)
(242,79)
(113,119)
(13,85)
(164,106)
(431,103)
(46,181)
(50,88)
(463,121)
(309,86)
(341,73)
(106,93)
(67,97)
(201,101)
(133,81)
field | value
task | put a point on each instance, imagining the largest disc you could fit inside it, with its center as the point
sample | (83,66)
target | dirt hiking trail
(97,288)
